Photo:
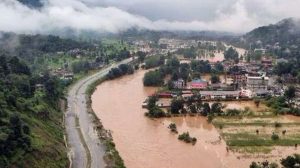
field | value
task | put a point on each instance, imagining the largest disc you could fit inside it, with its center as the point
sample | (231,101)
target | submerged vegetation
(153,110)
(187,138)
(173,127)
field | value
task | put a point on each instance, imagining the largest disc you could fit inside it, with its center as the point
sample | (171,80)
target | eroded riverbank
(147,143)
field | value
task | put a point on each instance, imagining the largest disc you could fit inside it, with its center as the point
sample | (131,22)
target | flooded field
(148,143)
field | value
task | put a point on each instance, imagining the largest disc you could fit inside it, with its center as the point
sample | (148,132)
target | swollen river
(148,143)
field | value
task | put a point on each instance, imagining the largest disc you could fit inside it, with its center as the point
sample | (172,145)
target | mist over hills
(84,17)
(286,33)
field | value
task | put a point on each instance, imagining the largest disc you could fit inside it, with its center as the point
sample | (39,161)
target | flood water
(147,143)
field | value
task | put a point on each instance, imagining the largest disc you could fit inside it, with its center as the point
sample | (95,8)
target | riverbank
(112,157)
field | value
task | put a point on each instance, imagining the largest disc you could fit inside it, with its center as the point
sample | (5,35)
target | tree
(151,102)
(200,66)
(215,79)
(184,71)
(153,78)
(206,109)
(290,93)
(193,108)
(231,54)
(156,112)
(174,76)
(176,105)
(264,164)
(170,85)
(283,68)
(173,63)
(219,67)
(257,102)
(291,161)
(141,56)
(216,108)
(18,67)
(153,110)
(124,68)
(172,127)
(154,61)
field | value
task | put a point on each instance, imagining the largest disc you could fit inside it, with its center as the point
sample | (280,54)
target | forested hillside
(285,32)
(30,117)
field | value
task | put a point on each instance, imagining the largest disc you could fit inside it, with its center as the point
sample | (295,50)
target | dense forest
(30,117)
(30,46)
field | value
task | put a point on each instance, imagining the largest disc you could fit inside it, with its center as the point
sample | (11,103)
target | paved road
(86,151)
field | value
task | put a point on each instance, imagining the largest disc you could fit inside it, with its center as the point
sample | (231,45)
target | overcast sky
(112,16)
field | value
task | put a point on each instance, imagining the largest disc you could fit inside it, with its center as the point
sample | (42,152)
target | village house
(266,62)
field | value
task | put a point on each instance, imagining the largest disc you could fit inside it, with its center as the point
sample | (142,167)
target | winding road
(86,150)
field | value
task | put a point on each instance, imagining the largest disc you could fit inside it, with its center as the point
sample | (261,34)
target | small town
(226,79)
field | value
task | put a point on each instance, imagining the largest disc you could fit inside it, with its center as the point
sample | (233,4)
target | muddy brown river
(148,143)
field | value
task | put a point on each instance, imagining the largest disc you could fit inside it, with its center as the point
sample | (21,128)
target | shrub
(176,106)
(275,137)
(277,124)
(291,161)
(173,127)
(210,118)
(155,112)
(187,138)
(233,112)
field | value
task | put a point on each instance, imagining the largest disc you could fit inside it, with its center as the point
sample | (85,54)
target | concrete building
(198,84)
(257,83)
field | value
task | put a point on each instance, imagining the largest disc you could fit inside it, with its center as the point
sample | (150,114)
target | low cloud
(112,16)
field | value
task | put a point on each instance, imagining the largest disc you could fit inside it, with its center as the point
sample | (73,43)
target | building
(256,83)
(266,62)
(260,50)
(220,94)
(179,84)
(246,93)
(198,84)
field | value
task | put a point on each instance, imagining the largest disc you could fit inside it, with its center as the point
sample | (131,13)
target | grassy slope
(47,142)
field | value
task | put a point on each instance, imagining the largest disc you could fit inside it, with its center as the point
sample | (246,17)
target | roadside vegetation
(30,117)
(32,93)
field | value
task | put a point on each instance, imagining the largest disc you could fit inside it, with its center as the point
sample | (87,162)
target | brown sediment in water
(148,143)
